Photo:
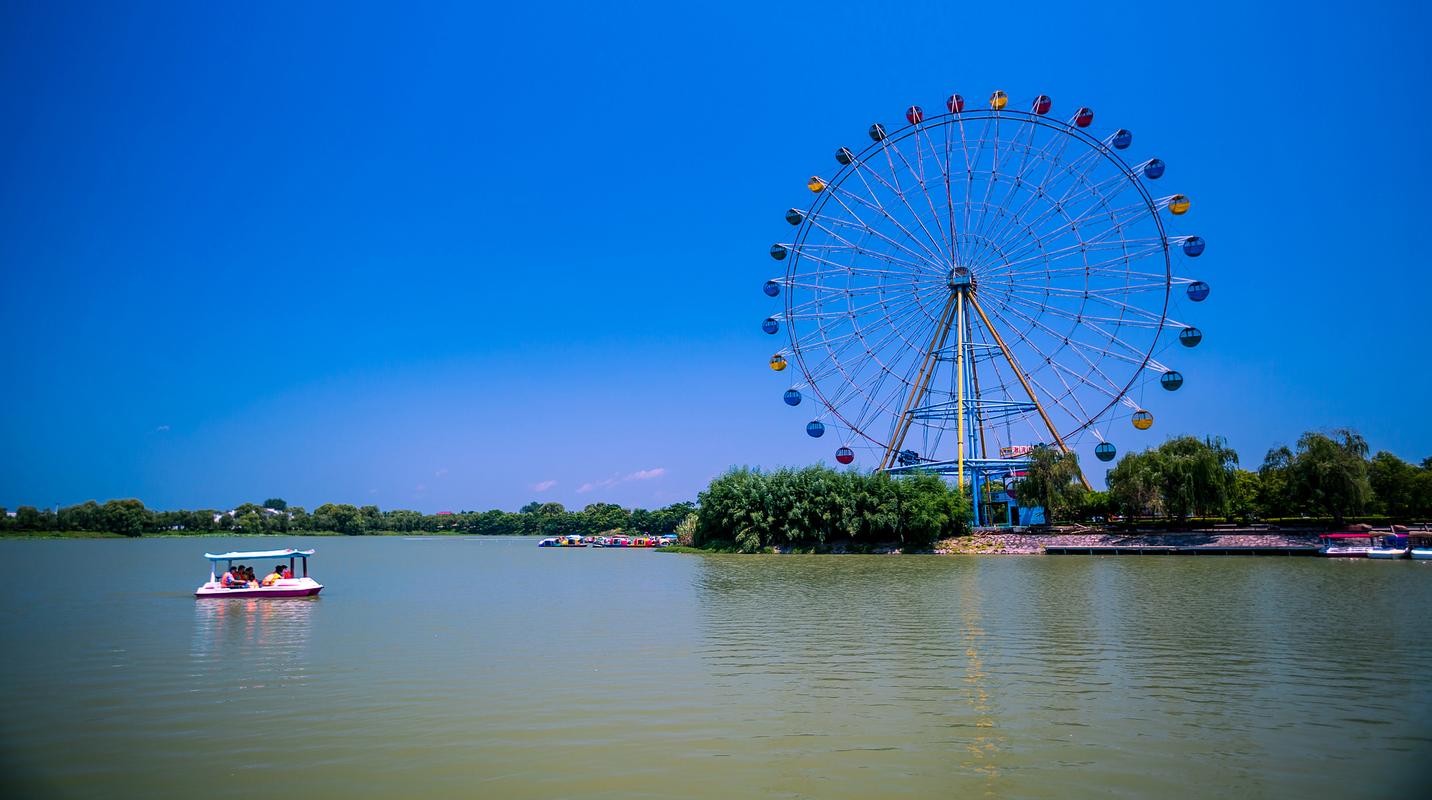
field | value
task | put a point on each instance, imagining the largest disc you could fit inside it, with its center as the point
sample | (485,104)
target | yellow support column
(960,377)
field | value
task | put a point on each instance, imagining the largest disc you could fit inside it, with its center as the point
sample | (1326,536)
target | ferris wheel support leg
(977,419)
(1018,373)
(917,392)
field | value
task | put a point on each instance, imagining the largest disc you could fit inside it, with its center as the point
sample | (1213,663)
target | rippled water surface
(459,667)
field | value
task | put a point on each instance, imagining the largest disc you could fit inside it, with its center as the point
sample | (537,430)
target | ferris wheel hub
(960,279)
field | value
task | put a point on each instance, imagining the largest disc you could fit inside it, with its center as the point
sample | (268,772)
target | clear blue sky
(457,257)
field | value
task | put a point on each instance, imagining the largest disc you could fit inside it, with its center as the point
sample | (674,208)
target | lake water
(489,668)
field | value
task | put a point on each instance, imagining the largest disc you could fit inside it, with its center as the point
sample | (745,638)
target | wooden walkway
(1173,550)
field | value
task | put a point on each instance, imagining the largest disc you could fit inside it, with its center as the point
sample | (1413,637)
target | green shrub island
(750,511)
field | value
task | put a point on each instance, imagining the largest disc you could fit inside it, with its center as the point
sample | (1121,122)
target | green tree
(127,517)
(1275,494)
(1052,482)
(1329,473)
(1395,484)
(276,503)
(1196,476)
(1096,506)
(686,530)
(1247,486)
(1134,484)
(29,518)
(339,518)
(598,517)
(372,518)
(83,517)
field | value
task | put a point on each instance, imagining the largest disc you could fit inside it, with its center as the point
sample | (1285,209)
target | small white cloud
(605,483)
(162,429)
(441,472)
(542,486)
(420,488)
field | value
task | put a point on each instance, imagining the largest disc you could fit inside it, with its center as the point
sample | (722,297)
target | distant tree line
(274,516)
(1326,475)
(751,510)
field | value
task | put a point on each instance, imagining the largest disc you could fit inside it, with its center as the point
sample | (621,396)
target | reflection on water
(1042,675)
(265,638)
(493,668)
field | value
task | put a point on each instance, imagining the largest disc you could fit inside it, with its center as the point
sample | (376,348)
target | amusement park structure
(978,283)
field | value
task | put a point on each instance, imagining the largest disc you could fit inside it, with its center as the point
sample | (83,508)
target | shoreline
(1034,544)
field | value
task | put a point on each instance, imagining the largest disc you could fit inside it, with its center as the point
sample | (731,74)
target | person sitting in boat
(231,578)
(287,572)
(275,576)
(251,580)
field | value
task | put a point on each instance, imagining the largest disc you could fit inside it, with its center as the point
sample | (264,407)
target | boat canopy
(258,554)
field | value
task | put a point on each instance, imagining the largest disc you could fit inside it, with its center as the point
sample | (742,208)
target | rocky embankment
(1034,543)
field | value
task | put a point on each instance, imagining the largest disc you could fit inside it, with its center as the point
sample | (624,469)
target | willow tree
(1052,482)
(1329,473)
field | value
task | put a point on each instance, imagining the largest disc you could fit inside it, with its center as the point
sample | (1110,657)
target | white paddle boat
(296,586)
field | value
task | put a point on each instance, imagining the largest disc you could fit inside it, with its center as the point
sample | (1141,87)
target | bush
(817,506)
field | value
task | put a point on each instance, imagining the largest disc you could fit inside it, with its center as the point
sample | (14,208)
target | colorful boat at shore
(297,586)
(562,541)
(1346,545)
(1391,545)
(1419,545)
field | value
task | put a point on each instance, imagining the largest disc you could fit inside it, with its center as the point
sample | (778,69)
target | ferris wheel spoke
(1091,294)
(1105,192)
(924,188)
(832,266)
(1015,181)
(1062,227)
(896,317)
(873,203)
(920,262)
(798,312)
(809,250)
(1050,161)
(1141,247)
(946,168)
(1081,317)
(851,384)
(1076,419)
(893,185)
(1135,357)
(1077,346)
(1056,207)
(971,168)
(859,222)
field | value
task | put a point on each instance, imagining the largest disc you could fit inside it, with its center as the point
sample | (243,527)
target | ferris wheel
(978,282)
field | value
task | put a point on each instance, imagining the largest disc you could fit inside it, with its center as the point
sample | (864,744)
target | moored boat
(562,541)
(1420,545)
(1392,545)
(300,585)
(1345,545)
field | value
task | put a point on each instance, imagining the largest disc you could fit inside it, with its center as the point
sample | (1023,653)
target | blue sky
(446,257)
